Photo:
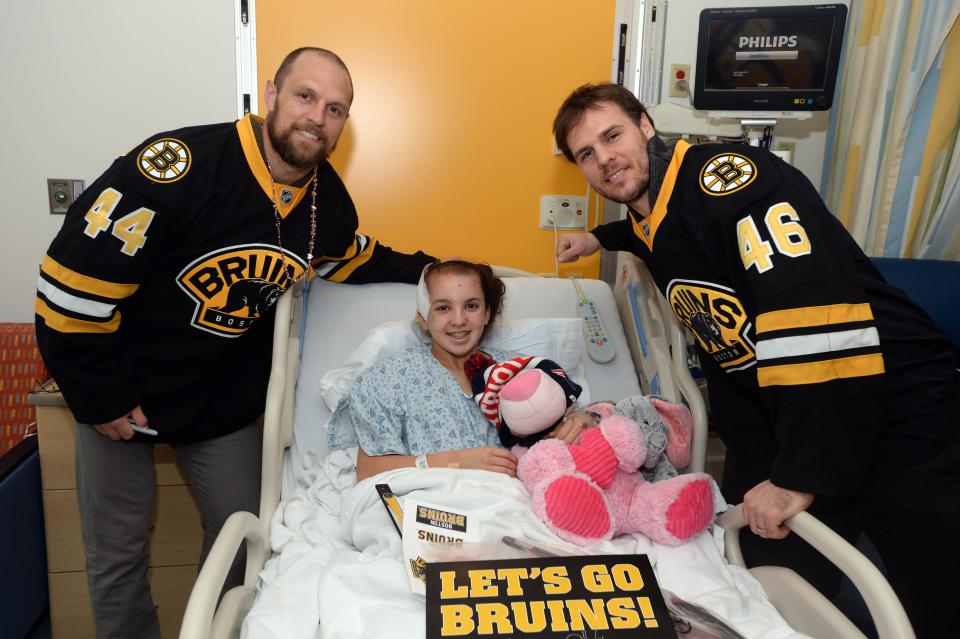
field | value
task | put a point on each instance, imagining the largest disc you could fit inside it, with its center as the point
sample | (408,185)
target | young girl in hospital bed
(415,408)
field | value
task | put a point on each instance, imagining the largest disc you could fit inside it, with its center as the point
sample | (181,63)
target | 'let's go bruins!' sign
(607,596)
(716,318)
(234,286)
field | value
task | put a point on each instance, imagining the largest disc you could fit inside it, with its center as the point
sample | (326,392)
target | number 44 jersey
(159,289)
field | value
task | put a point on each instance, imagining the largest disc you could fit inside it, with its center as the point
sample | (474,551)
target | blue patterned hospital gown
(409,404)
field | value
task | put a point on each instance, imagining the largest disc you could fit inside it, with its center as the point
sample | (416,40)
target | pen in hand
(140,429)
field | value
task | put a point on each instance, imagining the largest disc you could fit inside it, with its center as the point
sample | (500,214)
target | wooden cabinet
(175,535)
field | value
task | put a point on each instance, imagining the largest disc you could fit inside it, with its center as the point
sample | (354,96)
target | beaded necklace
(313,224)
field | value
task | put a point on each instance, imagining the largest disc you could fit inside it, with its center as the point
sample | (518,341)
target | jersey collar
(646,228)
(286,196)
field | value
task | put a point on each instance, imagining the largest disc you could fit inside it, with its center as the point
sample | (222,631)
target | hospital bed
(317,335)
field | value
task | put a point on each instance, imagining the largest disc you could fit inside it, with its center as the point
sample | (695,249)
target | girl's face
(458,313)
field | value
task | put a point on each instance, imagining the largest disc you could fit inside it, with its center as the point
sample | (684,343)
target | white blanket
(338,569)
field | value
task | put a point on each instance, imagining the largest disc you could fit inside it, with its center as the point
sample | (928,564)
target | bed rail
(650,324)
(199,621)
(794,597)
(278,413)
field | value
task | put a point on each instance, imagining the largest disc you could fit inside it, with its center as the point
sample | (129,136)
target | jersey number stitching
(789,237)
(131,229)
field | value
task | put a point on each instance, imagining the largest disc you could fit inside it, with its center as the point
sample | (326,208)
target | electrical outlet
(786,150)
(679,81)
(562,211)
(61,193)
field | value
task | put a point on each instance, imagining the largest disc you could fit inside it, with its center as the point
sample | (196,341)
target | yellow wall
(448,147)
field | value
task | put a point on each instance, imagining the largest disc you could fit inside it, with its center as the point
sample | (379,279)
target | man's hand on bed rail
(766,507)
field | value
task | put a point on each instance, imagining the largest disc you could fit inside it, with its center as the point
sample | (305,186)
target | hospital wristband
(421,462)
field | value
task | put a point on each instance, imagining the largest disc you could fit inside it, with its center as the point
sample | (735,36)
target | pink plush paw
(692,511)
(627,441)
(669,511)
(546,458)
(594,457)
(574,508)
(679,424)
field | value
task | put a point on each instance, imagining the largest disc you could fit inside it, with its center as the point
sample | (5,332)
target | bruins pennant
(717,319)
(727,173)
(234,286)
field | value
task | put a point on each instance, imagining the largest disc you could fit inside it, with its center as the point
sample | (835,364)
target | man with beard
(154,312)
(831,390)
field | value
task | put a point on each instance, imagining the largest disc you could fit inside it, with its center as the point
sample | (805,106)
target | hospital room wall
(448,147)
(84,82)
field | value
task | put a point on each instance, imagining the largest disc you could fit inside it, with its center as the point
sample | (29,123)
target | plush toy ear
(531,402)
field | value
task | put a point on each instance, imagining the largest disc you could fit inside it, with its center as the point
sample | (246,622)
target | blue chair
(23,558)
(933,284)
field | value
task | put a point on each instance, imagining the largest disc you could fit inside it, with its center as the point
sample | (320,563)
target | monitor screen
(768,58)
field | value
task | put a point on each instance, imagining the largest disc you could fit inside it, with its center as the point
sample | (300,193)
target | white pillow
(558,338)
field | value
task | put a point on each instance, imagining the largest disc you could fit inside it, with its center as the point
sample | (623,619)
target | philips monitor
(768,58)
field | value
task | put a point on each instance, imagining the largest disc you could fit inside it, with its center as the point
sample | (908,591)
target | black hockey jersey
(159,289)
(819,372)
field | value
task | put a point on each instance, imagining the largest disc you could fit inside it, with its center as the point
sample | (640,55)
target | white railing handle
(239,527)
(888,614)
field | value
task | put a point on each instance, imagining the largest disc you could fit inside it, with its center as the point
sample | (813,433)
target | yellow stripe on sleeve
(813,316)
(63,324)
(356,262)
(823,371)
(85,283)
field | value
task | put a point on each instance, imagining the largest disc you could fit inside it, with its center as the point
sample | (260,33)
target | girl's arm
(489,458)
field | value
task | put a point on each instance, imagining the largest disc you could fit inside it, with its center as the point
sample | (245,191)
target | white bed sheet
(338,569)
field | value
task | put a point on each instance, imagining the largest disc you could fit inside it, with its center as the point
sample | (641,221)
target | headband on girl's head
(423,296)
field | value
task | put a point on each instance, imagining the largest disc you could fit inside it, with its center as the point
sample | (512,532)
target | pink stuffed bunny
(592,490)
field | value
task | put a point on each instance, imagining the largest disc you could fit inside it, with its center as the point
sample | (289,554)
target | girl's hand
(489,458)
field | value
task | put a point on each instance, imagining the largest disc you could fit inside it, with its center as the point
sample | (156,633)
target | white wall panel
(83,82)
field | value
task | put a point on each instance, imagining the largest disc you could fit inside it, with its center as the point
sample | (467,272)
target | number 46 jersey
(819,372)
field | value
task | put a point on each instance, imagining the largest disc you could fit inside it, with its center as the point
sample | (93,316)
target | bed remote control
(598,344)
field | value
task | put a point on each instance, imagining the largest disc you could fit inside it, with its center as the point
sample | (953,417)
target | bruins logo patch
(165,160)
(727,173)
(716,318)
(234,286)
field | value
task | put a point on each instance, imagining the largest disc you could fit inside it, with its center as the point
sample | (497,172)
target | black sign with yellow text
(605,596)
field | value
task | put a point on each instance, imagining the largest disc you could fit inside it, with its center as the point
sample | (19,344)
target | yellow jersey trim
(660,206)
(813,316)
(354,263)
(258,166)
(85,283)
(823,371)
(63,324)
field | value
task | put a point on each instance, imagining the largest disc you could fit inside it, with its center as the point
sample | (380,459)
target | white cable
(556,245)
(586,211)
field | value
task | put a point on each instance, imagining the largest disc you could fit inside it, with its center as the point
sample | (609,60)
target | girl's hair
(492,286)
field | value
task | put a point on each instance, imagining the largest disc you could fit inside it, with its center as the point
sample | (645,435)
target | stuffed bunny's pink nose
(521,387)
